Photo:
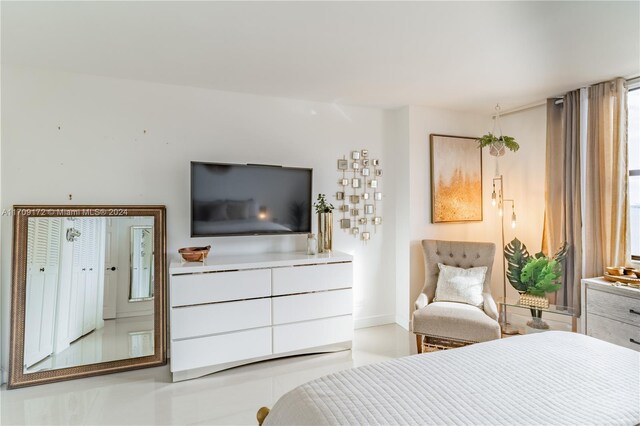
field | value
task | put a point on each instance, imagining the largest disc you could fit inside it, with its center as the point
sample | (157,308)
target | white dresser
(234,310)
(611,313)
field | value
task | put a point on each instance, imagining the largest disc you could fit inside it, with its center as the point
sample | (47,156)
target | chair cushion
(460,285)
(456,321)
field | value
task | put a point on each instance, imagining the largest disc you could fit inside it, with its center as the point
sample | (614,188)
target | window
(634,171)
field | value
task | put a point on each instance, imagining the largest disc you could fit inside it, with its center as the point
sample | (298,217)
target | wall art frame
(456,179)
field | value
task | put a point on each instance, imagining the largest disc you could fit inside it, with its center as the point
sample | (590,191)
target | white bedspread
(551,378)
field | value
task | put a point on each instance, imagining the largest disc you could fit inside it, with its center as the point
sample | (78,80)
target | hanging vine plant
(497,144)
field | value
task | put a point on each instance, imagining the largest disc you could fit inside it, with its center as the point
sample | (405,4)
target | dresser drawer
(193,289)
(193,321)
(613,331)
(310,334)
(614,306)
(310,306)
(205,351)
(302,279)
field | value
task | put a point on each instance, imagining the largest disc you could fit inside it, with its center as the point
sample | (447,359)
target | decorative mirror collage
(360,194)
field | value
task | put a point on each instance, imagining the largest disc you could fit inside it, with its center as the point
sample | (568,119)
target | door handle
(632,340)
(41,269)
(84,269)
(113,268)
(632,311)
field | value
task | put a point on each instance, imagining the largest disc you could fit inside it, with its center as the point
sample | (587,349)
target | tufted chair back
(455,253)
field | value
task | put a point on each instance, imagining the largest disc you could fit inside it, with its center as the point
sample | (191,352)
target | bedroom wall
(523,173)
(130,142)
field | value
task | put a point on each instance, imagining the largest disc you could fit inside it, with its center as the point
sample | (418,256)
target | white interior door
(111,270)
(76,304)
(91,278)
(43,263)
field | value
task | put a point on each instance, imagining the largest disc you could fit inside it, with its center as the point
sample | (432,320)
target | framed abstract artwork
(456,179)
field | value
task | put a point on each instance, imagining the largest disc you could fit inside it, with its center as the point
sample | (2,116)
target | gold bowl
(615,270)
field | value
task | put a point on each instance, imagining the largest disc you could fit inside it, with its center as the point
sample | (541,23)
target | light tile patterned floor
(230,397)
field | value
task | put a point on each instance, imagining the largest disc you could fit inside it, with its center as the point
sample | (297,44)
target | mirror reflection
(89,293)
(141,287)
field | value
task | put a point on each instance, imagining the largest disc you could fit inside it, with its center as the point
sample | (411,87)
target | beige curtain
(606,203)
(563,213)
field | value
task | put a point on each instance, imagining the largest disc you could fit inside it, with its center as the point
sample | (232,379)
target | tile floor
(119,339)
(231,397)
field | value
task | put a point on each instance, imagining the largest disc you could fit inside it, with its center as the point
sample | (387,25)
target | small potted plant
(533,277)
(325,223)
(497,144)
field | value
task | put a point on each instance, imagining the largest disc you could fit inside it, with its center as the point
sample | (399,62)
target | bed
(546,378)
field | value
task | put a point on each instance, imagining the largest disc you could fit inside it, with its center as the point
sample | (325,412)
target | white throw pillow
(460,285)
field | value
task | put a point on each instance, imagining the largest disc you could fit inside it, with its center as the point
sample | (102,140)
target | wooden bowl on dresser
(194,254)
(615,270)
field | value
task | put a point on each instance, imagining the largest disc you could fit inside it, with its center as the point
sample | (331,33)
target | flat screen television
(247,199)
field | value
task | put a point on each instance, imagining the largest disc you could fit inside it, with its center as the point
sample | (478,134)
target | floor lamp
(499,200)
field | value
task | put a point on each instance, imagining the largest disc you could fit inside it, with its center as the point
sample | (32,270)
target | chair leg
(419,343)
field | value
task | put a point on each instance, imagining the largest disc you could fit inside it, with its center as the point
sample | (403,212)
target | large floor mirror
(88,291)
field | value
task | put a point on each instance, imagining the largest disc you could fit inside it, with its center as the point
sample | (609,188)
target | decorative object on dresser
(246,308)
(86,278)
(623,276)
(325,223)
(194,254)
(533,277)
(361,208)
(444,324)
(611,312)
(456,179)
(312,244)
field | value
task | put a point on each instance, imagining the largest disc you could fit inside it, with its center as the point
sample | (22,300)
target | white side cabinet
(611,313)
(234,310)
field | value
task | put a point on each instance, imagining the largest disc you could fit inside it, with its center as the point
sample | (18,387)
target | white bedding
(551,378)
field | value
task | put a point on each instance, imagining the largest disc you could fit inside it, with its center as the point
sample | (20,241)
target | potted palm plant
(534,277)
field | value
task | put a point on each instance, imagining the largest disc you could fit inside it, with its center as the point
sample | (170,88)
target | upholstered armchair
(443,325)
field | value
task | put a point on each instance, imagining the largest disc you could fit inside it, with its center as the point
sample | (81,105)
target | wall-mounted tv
(248,199)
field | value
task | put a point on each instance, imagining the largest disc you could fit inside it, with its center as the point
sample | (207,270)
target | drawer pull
(631,311)
(634,341)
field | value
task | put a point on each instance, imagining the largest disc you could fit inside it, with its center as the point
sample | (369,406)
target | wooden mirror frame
(17,377)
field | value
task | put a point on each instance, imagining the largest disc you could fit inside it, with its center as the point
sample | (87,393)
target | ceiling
(457,55)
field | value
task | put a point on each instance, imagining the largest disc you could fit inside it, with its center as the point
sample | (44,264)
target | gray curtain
(563,212)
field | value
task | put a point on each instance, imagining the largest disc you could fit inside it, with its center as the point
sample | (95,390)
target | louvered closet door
(43,259)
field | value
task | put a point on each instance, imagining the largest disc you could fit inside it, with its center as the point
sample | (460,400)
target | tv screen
(234,199)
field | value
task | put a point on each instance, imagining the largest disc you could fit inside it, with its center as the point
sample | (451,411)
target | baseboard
(373,321)
(404,322)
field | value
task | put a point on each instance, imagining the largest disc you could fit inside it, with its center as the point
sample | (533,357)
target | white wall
(130,142)
(399,154)
(109,141)
(524,177)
